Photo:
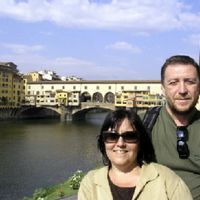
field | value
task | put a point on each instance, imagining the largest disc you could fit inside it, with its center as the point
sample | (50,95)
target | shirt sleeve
(86,190)
(181,191)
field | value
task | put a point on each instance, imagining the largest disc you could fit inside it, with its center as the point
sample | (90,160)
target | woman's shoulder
(96,177)
(166,174)
(96,173)
(167,179)
(162,169)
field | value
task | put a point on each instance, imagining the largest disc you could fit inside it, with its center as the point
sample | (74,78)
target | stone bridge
(66,113)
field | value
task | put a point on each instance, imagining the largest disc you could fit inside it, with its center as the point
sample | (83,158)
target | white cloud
(137,15)
(124,46)
(28,59)
(23,49)
(66,66)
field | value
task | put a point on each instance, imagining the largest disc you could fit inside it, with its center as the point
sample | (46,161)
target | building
(71,78)
(11,86)
(49,75)
(139,99)
(33,76)
(121,93)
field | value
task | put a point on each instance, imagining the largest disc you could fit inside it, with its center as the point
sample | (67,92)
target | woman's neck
(125,178)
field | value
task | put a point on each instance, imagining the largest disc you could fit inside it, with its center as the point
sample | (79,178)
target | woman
(129,172)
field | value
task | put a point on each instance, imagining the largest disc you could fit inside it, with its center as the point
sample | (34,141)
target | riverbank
(74,197)
(66,190)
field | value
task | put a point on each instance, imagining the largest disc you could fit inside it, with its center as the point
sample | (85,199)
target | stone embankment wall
(8,113)
(20,113)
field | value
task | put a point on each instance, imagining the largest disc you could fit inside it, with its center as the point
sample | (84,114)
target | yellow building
(11,86)
(34,76)
(140,99)
(62,97)
(67,98)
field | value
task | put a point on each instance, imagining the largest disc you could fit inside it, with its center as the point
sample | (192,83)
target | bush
(39,194)
(76,179)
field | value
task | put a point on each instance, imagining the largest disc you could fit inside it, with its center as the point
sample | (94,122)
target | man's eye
(191,82)
(172,83)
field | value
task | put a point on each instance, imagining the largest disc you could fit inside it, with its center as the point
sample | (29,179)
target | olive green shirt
(165,141)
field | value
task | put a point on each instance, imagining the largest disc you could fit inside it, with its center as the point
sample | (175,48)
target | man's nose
(183,88)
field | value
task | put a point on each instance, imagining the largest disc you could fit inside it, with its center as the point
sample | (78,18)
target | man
(176,133)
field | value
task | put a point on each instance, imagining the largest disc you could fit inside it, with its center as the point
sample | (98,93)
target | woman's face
(121,153)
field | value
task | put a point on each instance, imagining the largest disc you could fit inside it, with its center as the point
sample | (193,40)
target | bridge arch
(97,97)
(109,97)
(36,112)
(81,114)
(85,97)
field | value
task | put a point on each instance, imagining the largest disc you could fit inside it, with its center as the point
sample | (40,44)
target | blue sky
(98,39)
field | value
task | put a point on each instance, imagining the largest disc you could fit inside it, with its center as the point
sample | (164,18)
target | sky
(98,39)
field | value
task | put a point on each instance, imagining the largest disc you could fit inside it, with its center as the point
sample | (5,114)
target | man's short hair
(179,59)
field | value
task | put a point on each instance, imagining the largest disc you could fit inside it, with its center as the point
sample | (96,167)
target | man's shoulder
(150,117)
(197,114)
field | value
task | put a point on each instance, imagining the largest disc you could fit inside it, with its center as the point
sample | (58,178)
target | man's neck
(181,119)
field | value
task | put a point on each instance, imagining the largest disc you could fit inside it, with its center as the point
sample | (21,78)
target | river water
(41,153)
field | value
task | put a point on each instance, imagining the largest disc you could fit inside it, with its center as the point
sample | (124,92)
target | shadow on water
(41,153)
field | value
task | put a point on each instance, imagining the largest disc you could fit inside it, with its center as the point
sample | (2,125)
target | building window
(97,87)
(85,87)
(109,87)
(63,87)
(74,87)
(29,87)
(122,87)
(148,87)
(52,87)
(135,87)
(42,87)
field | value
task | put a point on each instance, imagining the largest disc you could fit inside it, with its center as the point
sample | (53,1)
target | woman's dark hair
(113,120)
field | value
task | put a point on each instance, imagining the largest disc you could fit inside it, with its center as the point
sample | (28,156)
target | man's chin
(182,110)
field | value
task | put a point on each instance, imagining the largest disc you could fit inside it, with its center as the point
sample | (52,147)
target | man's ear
(199,87)
(163,90)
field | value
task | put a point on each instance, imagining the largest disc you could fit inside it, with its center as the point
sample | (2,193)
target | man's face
(181,88)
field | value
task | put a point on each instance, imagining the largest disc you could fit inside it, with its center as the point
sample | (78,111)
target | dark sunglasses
(182,147)
(113,137)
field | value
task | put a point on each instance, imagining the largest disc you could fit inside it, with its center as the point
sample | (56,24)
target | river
(41,153)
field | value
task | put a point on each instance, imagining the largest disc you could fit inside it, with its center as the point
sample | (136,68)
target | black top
(121,193)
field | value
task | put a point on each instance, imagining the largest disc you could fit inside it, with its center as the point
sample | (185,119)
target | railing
(97,105)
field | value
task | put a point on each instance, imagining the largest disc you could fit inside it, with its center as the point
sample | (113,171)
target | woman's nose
(120,141)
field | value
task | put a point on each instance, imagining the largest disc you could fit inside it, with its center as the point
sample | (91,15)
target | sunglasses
(113,137)
(182,147)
